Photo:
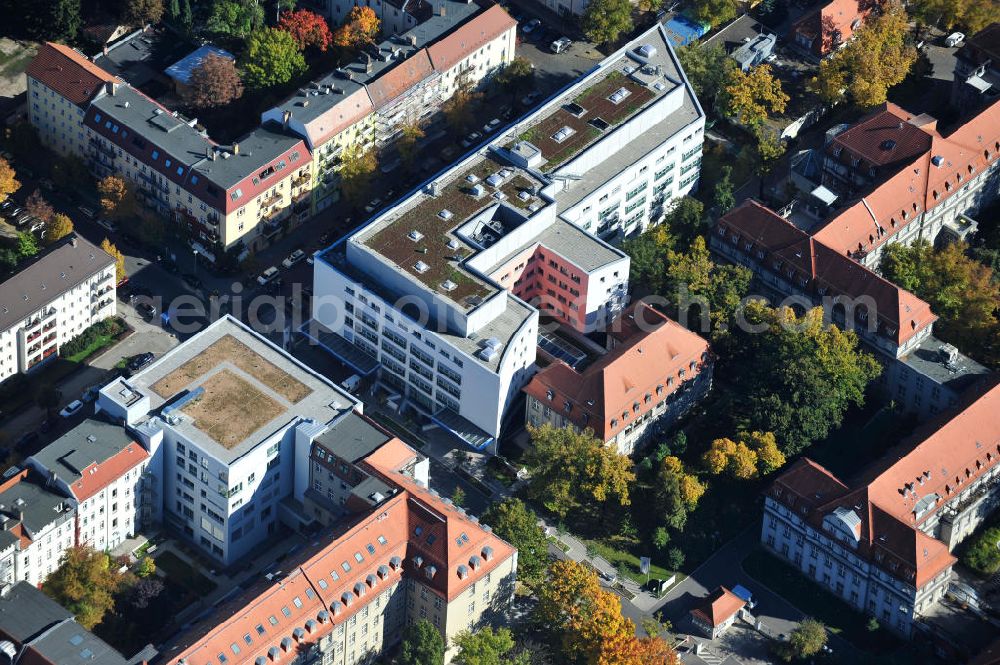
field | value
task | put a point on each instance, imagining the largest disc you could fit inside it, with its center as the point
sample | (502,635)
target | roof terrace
(626,86)
(420,237)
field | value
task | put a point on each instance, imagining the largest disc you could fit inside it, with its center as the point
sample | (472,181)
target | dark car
(145,310)
(191,280)
(26,441)
(137,362)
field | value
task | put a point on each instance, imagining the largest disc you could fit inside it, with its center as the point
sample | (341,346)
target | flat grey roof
(925,358)
(25,612)
(352,438)
(575,244)
(370,486)
(257,149)
(68,643)
(93,441)
(323,403)
(57,270)
(39,506)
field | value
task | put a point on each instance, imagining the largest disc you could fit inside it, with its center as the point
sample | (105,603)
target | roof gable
(470,37)
(68,72)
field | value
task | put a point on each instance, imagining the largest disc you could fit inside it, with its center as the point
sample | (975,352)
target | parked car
(71,409)
(530,98)
(531,26)
(145,310)
(87,212)
(138,361)
(491,126)
(267,276)
(26,441)
(954,39)
(351,383)
(560,45)
(293,258)
(373,205)
(107,224)
(191,280)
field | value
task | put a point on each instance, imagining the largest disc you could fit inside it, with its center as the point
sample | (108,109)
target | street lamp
(194,254)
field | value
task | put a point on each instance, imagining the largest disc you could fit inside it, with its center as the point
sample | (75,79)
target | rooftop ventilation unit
(448,285)
(415,236)
(494,180)
(646,51)
(486,353)
(452,243)
(478,191)
(445,214)
(937,160)
(619,95)
(421,267)
(472,178)
(499,196)
(567,131)
(524,196)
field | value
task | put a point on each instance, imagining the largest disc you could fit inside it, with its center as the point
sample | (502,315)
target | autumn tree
(308,29)
(576,471)
(360,27)
(8,180)
(677,492)
(85,584)
(749,456)
(459,109)
(272,58)
(517,76)
(961,291)
(713,12)
(117,198)
(357,167)
(235,18)
(752,97)
(515,522)
(144,12)
(649,5)
(37,206)
(604,20)
(797,375)
(971,15)
(214,82)
(58,227)
(878,58)
(119,258)
(407,143)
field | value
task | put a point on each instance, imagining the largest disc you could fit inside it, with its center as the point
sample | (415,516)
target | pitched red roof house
(469,37)
(823,29)
(651,358)
(771,243)
(68,72)
(719,607)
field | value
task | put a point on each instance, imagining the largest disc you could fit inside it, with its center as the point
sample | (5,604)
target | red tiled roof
(885,136)
(96,477)
(922,184)
(470,37)
(642,371)
(394,82)
(410,533)
(68,72)
(833,24)
(812,265)
(720,605)
(960,448)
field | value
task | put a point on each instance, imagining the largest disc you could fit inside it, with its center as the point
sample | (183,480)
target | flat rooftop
(623,86)
(926,359)
(352,438)
(227,388)
(419,236)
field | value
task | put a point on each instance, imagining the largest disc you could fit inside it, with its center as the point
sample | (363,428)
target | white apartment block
(884,547)
(440,295)
(52,300)
(37,526)
(224,417)
(99,468)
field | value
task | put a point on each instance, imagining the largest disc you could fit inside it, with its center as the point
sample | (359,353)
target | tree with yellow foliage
(8,180)
(59,226)
(359,28)
(879,57)
(119,258)
(752,97)
(749,456)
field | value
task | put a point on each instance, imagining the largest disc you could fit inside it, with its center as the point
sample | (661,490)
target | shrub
(983,555)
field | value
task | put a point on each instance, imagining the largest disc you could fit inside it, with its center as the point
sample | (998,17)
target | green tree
(807,640)
(796,376)
(48,398)
(708,68)
(686,219)
(458,496)
(676,492)
(174,10)
(54,20)
(517,77)
(960,290)
(983,555)
(675,558)
(723,198)
(357,167)
(713,12)
(972,15)
(422,645)
(235,18)
(27,245)
(647,252)
(147,567)
(272,58)
(879,57)
(575,471)
(85,584)
(515,522)
(604,20)
(187,17)
(484,647)
(142,12)
(406,144)
(661,538)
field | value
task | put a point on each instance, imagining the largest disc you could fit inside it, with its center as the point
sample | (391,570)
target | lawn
(99,342)
(181,573)
(839,617)
(627,563)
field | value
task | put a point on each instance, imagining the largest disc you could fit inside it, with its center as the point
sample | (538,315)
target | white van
(351,383)
(954,39)
(560,45)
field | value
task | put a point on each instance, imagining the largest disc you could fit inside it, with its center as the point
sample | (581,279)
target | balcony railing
(300,180)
